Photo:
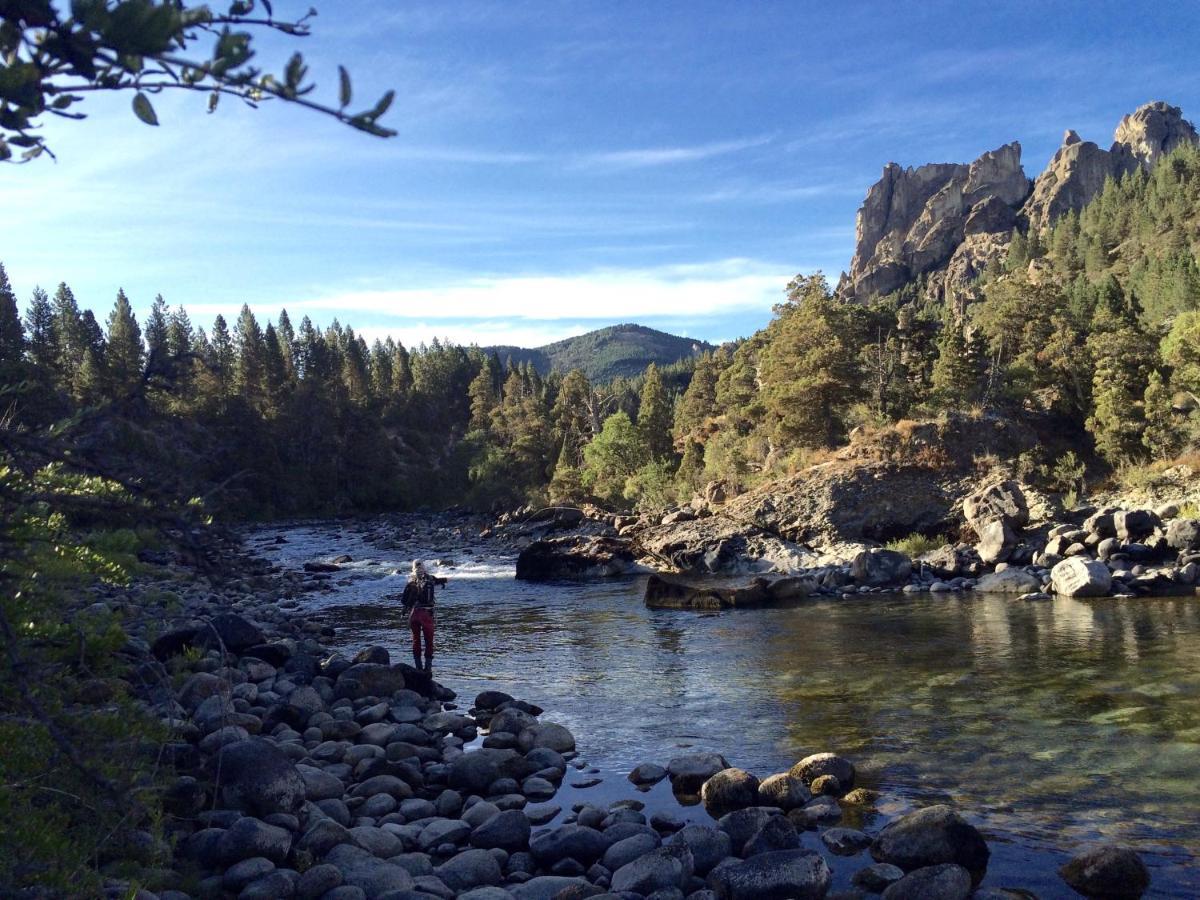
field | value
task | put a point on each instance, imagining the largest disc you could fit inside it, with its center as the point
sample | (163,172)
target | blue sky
(566,165)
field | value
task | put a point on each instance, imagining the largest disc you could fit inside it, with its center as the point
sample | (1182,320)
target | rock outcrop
(913,220)
(949,221)
(1078,170)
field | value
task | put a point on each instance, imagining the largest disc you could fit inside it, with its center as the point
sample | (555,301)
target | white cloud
(706,289)
(661,156)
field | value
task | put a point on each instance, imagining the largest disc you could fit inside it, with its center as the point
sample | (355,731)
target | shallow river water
(1050,724)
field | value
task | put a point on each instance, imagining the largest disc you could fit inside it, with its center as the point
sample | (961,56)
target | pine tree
(179,333)
(955,380)
(70,338)
(482,393)
(251,368)
(223,360)
(699,400)
(12,336)
(1164,436)
(1018,252)
(1123,359)
(654,416)
(157,324)
(573,416)
(275,372)
(124,350)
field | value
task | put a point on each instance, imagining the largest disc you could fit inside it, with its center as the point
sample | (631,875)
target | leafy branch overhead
(49,62)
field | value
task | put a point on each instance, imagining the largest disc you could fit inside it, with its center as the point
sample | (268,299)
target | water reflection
(1055,722)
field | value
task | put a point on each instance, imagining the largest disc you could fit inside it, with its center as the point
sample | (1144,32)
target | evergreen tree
(43,345)
(179,333)
(482,393)
(808,369)
(699,401)
(955,380)
(654,415)
(573,415)
(124,348)
(157,325)
(70,338)
(12,336)
(1123,359)
(613,458)
(251,366)
(222,358)
(1164,436)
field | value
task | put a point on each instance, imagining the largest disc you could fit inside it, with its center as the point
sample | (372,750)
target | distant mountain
(604,354)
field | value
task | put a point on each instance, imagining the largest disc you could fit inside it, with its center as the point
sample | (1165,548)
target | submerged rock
(1107,872)
(575,558)
(930,837)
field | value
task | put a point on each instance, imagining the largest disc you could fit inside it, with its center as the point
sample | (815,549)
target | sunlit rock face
(950,221)
(913,220)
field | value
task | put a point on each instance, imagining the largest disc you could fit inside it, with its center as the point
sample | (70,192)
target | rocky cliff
(948,221)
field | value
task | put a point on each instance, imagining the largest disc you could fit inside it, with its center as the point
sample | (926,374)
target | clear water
(1050,724)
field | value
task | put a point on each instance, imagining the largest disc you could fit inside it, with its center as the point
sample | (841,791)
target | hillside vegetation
(619,351)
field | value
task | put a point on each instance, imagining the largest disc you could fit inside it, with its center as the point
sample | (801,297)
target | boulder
(628,849)
(470,869)
(546,735)
(255,775)
(663,869)
(647,774)
(1010,581)
(743,824)
(664,593)
(708,846)
(1003,500)
(942,882)
(1107,872)
(785,791)
(794,874)
(249,837)
(997,541)
(880,568)
(474,771)
(930,837)
(689,772)
(1184,535)
(584,845)
(574,558)
(370,680)
(813,767)
(373,876)
(508,831)
(230,632)
(1079,577)
(728,790)
(1132,525)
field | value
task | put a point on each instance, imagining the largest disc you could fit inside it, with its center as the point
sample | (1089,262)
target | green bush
(917,544)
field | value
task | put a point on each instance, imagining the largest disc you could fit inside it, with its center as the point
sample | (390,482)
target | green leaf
(143,110)
(382,106)
(345,86)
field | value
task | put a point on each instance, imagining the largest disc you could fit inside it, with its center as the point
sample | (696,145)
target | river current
(1050,724)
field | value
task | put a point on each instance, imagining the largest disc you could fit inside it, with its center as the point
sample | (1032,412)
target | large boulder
(1002,500)
(1132,525)
(1184,534)
(880,568)
(582,844)
(1107,872)
(230,632)
(785,791)
(664,593)
(781,875)
(930,837)
(370,680)
(997,541)
(470,869)
(947,881)
(256,776)
(1079,577)
(474,771)
(547,735)
(728,790)
(373,876)
(663,869)
(709,846)
(509,830)
(1009,581)
(575,558)
(689,772)
(813,767)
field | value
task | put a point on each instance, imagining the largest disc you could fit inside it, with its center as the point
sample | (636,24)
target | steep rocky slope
(948,221)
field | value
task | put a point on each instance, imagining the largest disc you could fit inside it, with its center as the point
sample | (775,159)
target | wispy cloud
(663,156)
(714,288)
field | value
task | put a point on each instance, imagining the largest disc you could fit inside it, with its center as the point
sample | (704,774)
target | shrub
(917,544)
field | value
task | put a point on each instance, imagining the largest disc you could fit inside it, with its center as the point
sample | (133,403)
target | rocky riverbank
(299,772)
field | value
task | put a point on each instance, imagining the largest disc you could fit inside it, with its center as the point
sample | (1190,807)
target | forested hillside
(1094,321)
(606,353)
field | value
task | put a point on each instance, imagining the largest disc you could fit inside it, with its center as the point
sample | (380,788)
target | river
(1049,724)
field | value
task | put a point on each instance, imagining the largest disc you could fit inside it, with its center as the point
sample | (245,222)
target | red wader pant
(421,622)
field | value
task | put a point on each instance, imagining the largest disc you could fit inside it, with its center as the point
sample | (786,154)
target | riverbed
(1049,724)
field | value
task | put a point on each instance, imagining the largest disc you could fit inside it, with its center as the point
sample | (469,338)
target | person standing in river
(418,605)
